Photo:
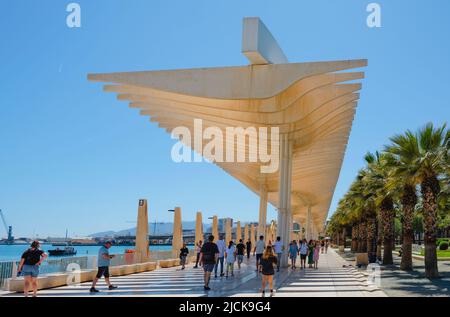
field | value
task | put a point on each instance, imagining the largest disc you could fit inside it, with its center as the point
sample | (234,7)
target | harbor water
(14,252)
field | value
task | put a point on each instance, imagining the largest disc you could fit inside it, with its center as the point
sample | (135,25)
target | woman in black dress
(266,267)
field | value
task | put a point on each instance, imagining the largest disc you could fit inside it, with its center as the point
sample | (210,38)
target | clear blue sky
(75,157)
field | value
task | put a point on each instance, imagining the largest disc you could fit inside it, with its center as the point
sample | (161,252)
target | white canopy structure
(313,105)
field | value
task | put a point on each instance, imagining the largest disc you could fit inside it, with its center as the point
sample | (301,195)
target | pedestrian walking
(209,255)
(278,247)
(293,252)
(316,255)
(303,253)
(230,255)
(221,245)
(259,250)
(184,251)
(198,248)
(248,244)
(240,247)
(267,262)
(311,247)
(103,263)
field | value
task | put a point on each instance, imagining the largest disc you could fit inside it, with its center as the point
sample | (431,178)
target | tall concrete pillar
(309,224)
(284,198)
(142,253)
(238,232)
(262,210)
(228,227)
(299,234)
(252,235)
(198,227)
(246,233)
(177,241)
(215,229)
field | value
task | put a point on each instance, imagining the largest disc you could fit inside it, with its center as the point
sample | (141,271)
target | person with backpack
(303,254)
(209,255)
(29,267)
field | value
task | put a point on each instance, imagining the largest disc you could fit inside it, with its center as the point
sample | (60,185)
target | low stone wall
(175,262)
(61,279)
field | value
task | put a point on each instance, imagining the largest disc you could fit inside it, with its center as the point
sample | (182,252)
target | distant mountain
(160,228)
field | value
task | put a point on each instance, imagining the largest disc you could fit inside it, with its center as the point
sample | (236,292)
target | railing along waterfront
(55,265)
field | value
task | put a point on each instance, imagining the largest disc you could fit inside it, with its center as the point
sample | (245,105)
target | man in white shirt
(259,250)
(221,245)
(278,247)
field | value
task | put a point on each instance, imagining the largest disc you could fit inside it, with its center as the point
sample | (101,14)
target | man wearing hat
(103,262)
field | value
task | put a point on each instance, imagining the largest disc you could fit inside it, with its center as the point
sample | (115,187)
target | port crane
(7,228)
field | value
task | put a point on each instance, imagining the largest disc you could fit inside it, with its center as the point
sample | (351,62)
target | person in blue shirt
(103,263)
(293,252)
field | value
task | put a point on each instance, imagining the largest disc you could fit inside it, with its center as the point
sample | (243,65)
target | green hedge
(443,245)
(439,240)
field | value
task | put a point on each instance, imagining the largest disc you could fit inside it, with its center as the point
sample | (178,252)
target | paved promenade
(330,280)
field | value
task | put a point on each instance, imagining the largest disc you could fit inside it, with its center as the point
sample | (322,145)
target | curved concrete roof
(313,102)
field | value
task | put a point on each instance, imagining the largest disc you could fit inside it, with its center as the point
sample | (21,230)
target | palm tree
(377,183)
(404,176)
(428,157)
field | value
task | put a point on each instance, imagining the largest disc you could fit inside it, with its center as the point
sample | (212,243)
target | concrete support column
(177,240)
(246,233)
(284,198)
(215,229)
(252,235)
(198,227)
(238,232)
(142,253)
(262,210)
(309,224)
(228,227)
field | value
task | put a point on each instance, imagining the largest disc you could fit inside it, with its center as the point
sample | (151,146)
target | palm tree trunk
(354,245)
(359,238)
(409,201)
(363,236)
(387,218)
(371,237)
(430,189)
(342,238)
(379,237)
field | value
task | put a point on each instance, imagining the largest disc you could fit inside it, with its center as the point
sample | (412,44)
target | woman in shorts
(29,267)
(266,264)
